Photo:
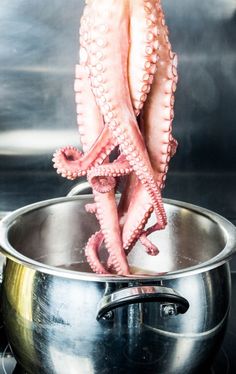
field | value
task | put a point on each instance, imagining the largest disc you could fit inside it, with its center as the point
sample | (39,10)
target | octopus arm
(112,18)
(106,209)
(127,41)
(158,113)
(102,178)
(92,253)
(139,211)
(156,126)
(70,162)
(143,50)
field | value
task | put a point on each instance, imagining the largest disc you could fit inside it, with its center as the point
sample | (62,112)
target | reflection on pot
(94,324)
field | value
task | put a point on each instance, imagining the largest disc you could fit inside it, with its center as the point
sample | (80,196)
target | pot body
(52,326)
(168,317)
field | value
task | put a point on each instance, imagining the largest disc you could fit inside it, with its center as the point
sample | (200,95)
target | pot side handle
(171,302)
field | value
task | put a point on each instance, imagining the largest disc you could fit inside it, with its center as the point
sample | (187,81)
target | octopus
(124,92)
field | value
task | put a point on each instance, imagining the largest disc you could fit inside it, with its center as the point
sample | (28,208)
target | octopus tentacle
(143,51)
(126,40)
(156,119)
(109,223)
(67,161)
(91,251)
(91,208)
(139,161)
(137,216)
(105,203)
(118,115)
(102,178)
(70,162)
(87,118)
(150,248)
(158,113)
(94,244)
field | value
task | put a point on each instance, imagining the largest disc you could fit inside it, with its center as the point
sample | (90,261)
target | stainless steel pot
(61,318)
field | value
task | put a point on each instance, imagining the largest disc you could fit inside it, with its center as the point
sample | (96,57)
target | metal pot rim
(228,229)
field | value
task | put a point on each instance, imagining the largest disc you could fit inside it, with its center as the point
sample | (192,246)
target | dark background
(38,51)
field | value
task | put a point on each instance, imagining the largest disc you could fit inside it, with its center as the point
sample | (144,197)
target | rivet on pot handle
(172,303)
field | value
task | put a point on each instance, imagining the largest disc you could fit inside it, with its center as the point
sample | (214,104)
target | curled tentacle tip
(68,153)
(102,184)
(67,162)
(150,248)
(152,251)
(71,153)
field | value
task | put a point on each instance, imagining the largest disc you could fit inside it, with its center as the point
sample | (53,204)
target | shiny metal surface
(50,299)
(195,239)
(38,50)
(2,258)
(51,321)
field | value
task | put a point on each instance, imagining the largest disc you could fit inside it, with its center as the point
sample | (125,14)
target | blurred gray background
(38,50)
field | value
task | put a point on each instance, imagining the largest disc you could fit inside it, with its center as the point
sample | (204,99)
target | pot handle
(80,189)
(171,302)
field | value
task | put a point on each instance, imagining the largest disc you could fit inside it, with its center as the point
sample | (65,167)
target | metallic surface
(38,51)
(51,324)
(224,361)
(50,310)
(51,235)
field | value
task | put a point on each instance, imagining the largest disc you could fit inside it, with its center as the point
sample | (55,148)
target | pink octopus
(124,91)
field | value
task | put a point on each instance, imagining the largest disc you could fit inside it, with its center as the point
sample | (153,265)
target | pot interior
(56,233)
